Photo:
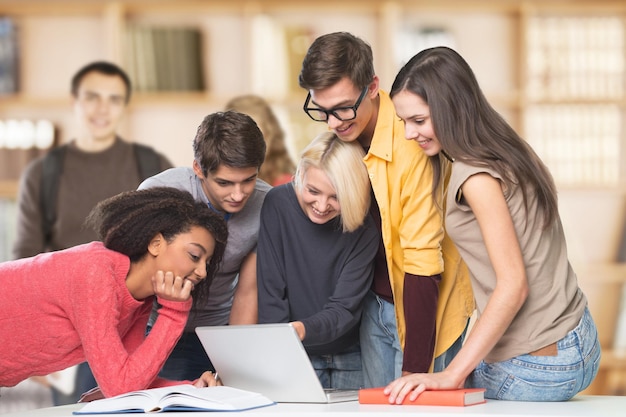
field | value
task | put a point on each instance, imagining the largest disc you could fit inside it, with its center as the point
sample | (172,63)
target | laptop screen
(265,358)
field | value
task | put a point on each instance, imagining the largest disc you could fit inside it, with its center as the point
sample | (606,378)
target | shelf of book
(556,58)
(542,57)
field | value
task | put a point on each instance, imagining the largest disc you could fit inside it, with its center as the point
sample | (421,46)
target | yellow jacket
(412,226)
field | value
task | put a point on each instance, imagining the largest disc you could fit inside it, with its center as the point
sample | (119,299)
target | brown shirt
(555,304)
(87,178)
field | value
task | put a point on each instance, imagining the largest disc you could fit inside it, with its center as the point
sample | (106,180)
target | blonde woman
(316,248)
(278,167)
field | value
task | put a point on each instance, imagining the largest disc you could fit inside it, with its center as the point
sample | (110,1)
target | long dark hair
(470,130)
(127,222)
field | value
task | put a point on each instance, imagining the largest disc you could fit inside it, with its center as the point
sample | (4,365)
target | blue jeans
(442,361)
(544,378)
(340,370)
(380,346)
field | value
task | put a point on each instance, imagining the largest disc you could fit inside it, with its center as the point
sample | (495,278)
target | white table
(580,406)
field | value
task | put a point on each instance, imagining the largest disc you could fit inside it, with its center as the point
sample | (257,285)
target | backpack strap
(148,161)
(52,168)
(148,164)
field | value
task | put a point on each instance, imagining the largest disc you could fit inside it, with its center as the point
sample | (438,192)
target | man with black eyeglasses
(415,316)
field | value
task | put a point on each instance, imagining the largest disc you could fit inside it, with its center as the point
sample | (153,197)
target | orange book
(455,397)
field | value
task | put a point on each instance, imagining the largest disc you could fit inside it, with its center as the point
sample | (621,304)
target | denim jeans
(544,378)
(380,346)
(340,370)
(442,361)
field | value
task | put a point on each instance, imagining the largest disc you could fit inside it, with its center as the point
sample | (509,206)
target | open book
(178,398)
(453,397)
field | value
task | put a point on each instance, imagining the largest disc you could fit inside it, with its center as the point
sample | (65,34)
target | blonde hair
(343,163)
(277,160)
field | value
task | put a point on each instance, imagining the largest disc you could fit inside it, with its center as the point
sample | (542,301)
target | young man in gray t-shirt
(228,151)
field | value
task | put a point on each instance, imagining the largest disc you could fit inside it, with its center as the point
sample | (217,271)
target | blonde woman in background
(278,167)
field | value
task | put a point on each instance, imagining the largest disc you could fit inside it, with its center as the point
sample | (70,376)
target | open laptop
(268,359)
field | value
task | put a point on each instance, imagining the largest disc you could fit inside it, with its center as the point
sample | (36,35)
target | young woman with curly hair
(91,302)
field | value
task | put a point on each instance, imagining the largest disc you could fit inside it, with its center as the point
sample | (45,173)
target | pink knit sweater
(61,308)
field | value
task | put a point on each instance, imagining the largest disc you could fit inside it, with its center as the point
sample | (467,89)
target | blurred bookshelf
(8,57)
(164,58)
(8,210)
(21,141)
(576,101)
(546,63)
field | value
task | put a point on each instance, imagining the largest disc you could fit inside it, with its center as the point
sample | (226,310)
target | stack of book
(164,58)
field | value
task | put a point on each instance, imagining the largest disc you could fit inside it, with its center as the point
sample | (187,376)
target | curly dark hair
(127,222)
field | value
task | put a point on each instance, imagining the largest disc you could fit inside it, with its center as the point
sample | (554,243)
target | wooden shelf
(95,29)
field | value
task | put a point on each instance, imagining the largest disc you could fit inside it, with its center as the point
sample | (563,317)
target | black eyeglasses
(340,113)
